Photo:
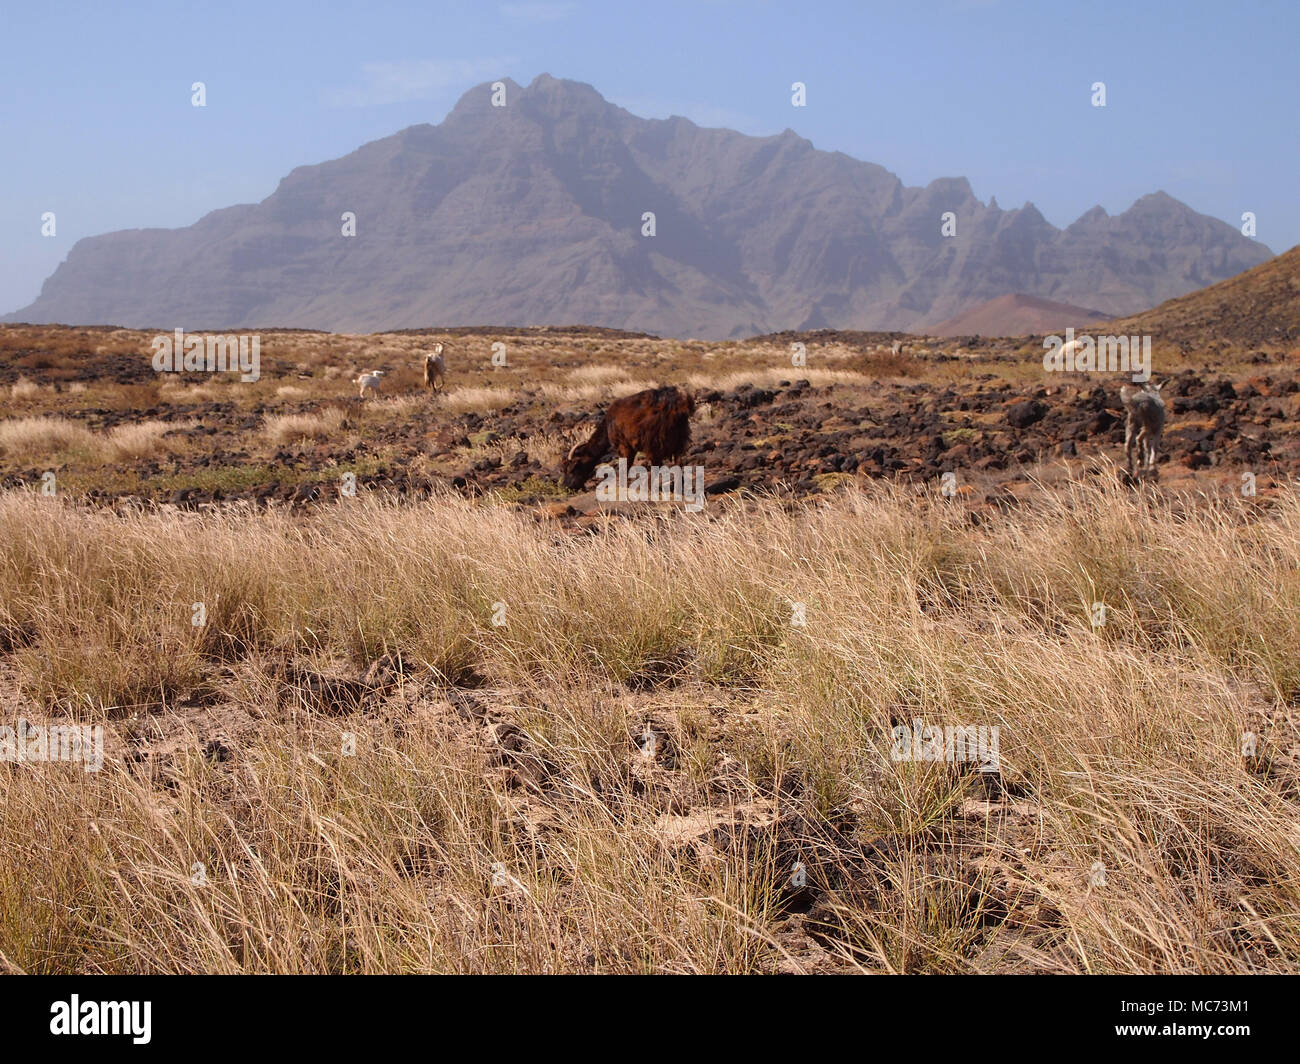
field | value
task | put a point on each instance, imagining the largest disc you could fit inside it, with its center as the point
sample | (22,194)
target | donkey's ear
(1155,387)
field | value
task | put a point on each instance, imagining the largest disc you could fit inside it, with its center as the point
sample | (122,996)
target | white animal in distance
(370,381)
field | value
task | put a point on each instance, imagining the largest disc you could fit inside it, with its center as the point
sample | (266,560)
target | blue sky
(95,112)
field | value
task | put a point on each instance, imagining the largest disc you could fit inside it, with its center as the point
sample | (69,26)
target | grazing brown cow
(656,422)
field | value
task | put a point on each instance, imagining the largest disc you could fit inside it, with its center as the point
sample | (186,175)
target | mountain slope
(1260,306)
(532,214)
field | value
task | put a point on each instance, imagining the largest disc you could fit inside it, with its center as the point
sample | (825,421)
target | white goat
(435,370)
(1143,427)
(370,381)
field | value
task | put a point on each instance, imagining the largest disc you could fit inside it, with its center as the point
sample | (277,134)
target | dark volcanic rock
(1022,415)
(726,484)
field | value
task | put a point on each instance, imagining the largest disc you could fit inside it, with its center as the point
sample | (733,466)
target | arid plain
(437,713)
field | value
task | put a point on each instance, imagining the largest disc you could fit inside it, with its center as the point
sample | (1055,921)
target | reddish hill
(1258,307)
(1016,315)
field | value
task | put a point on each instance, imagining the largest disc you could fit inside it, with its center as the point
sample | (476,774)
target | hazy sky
(97,125)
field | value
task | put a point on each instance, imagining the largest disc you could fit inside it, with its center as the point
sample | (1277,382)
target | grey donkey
(1143,427)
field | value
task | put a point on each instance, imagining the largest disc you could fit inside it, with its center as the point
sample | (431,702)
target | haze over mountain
(532,214)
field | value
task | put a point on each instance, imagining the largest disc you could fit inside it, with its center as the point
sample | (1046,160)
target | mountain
(531,214)
(1256,308)
(1016,315)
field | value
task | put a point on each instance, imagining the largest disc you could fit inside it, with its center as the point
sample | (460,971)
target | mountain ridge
(531,214)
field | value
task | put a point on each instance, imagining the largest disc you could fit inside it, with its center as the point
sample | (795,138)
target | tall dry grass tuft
(35,437)
(601,389)
(503,812)
(288,428)
(460,400)
(141,439)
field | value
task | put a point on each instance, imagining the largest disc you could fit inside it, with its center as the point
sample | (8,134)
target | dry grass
(176,390)
(600,373)
(458,400)
(37,437)
(600,391)
(288,428)
(879,364)
(543,838)
(26,438)
(767,376)
(141,440)
(403,406)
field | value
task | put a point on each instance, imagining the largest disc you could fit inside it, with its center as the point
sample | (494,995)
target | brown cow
(656,422)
